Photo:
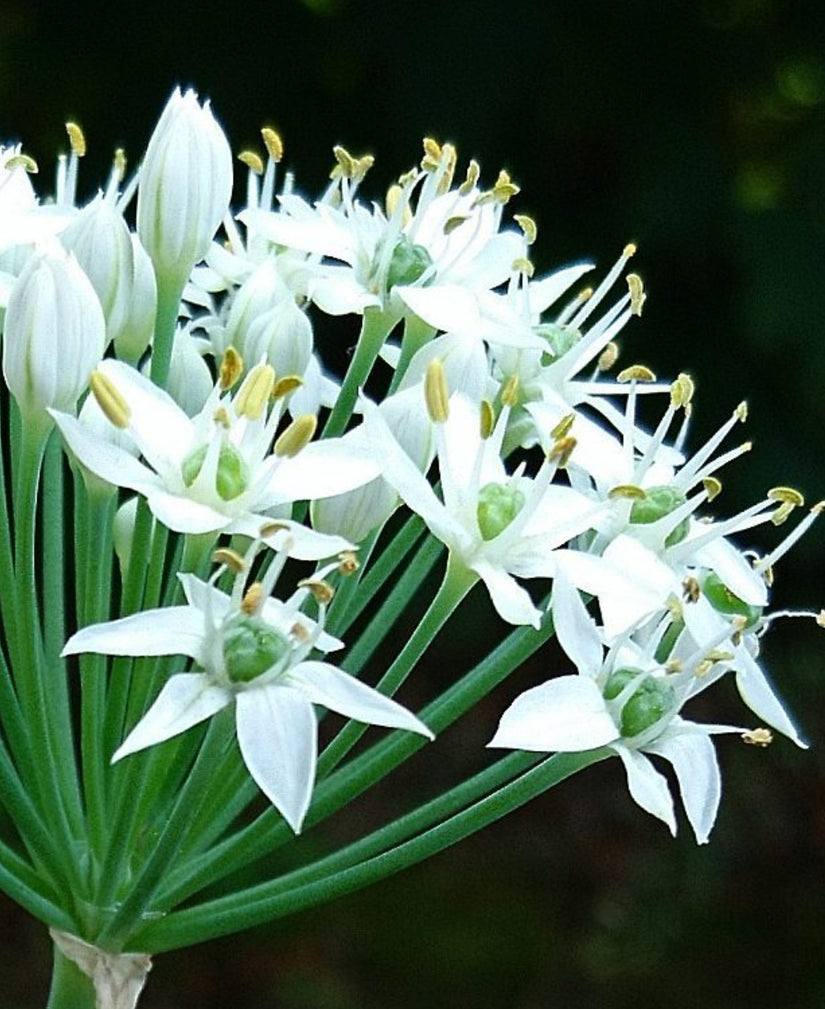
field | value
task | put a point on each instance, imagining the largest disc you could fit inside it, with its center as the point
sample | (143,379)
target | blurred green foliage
(697,130)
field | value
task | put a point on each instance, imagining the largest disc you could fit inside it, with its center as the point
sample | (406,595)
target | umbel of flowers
(218,540)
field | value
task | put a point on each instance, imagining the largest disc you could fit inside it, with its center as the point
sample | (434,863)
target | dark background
(696,130)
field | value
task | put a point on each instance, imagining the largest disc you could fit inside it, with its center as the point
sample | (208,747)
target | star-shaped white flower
(213,472)
(253,651)
(624,701)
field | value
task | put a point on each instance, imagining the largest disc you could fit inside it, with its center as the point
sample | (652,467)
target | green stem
(70,988)
(375,329)
(265,902)
(417,333)
(170,291)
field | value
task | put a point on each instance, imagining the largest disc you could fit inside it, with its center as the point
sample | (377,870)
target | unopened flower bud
(185,185)
(53,333)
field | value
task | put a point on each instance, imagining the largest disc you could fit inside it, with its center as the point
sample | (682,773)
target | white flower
(497,525)
(253,650)
(215,472)
(185,185)
(624,701)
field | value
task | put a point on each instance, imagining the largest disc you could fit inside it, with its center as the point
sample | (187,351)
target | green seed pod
(658,502)
(649,702)
(251,647)
(498,505)
(559,338)
(724,601)
(232,477)
(408,263)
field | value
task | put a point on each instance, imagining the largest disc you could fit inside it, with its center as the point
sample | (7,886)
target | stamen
(791,538)
(562,429)
(510,391)
(758,737)
(636,373)
(561,451)
(285,385)
(608,357)
(231,368)
(469,183)
(528,226)
(323,592)
(109,399)
(348,563)
(253,599)
(297,436)
(76,139)
(436,393)
(273,143)
(252,161)
(229,558)
(637,293)
(253,396)
(22,161)
(487,419)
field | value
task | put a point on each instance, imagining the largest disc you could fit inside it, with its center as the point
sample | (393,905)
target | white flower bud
(53,333)
(185,185)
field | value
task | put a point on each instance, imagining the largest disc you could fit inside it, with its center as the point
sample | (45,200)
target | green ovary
(724,601)
(232,476)
(497,506)
(408,263)
(650,701)
(250,648)
(658,502)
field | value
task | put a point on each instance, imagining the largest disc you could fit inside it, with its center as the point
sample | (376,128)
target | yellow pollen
(673,666)
(395,195)
(453,223)
(787,494)
(252,161)
(321,590)
(448,160)
(119,163)
(504,188)
(782,513)
(758,737)
(297,436)
(271,529)
(636,373)
(253,396)
(608,356)
(522,265)
(273,143)
(348,563)
(626,491)
(528,226)
(818,508)
(408,178)
(681,392)
(221,417)
(231,368)
(741,412)
(510,391)
(629,250)
(432,154)
(487,419)
(713,487)
(637,293)
(109,399)
(22,161)
(230,559)
(561,451)
(76,139)
(820,618)
(253,599)
(469,183)
(562,429)
(285,385)
(585,294)
(436,393)
(690,589)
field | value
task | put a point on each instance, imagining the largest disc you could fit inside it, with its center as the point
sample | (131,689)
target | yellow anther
(453,223)
(253,599)
(629,250)
(321,590)
(786,494)
(637,293)
(528,226)
(221,418)
(522,265)
(820,618)
(408,178)
(300,633)
(673,666)
(348,563)
(504,188)
(713,487)
(297,436)
(109,399)
(741,412)
(273,143)
(269,529)
(230,559)
(562,429)
(561,450)
(585,294)
(469,183)
(487,420)
(76,139)
(436,393)
(350,167)
(252,398)
(230,369)
(626,491)
(782,513)
(22,161)
(396,194)
(674,608)
(119,163)
(608,356)
(510,390)
(252,161)
(691,589)
(818,508)
(681,392)
(758,737)
(636,373)
(286,385)
(363,165)
(448,163)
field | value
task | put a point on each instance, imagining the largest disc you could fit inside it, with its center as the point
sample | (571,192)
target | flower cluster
(177,361)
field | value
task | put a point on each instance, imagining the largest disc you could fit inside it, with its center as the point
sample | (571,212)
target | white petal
(735,571)
(567,715)
(336,690)
(647,787)
(291,537)
(185,700)
(757,692)
(324,468)
(542,293)
(341,294)
(576,630)
(182,514)
(691,752)
(173,630)
(512,602)
(105,459)
(277,734)
(447,307)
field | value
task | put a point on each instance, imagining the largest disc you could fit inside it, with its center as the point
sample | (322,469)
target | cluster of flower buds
(500,428)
